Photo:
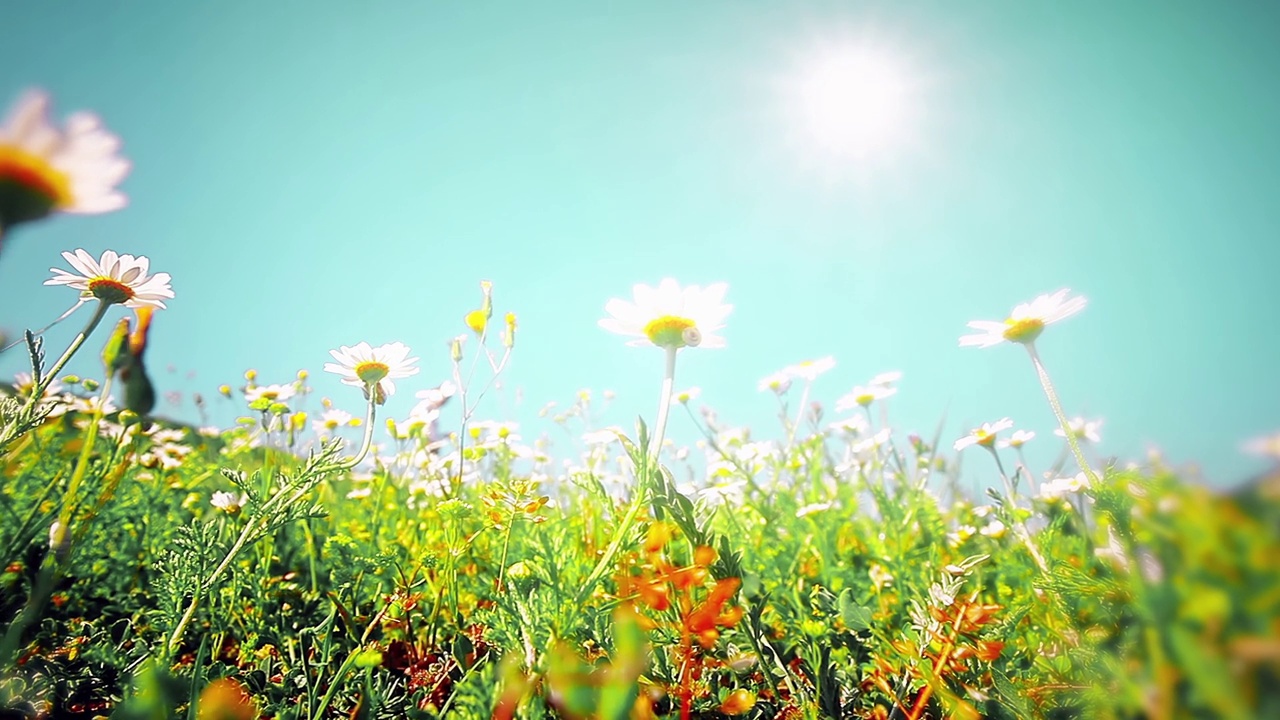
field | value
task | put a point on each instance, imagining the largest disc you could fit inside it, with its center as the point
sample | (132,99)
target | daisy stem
(664,404)
(1057,411)
(368,434)
(48,377)
(1019,526)
(804,402)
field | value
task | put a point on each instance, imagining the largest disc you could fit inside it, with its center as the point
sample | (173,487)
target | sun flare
(853,102)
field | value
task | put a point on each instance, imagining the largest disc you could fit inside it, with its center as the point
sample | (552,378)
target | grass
(842,573)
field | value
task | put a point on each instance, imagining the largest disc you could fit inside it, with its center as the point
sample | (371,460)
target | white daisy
(1082,430)
(684,397)
(1017,439)
(46,169)
(778,382)
(886,378)
(228,502)
(1265,446)
(275,393)
(670,317)
(984,436)
(365,367)
(114,279)
(862,396)
(1026,322)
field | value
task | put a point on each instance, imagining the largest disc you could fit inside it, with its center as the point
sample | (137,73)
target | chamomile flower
(368,367)
(229,503)
(1082,430)
(984,436)
(1026,322)
(332,419)
(275,393)
(778,383)
(670,317)
(121,279)
(46,169)
(1017,439)
(863,396)
(1265,446)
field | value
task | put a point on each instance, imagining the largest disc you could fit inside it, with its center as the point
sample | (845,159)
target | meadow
(333,563)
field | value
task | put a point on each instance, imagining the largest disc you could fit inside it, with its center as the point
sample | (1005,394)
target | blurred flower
(812,508)
(1059,488)
(269,392)
(684,397)
(1266,446)
(778,382)
(600,437)
(994,529)
(880,576)
(886,378)
(863,396)
(984,436)
(226,699)
(852,425)
(1017,439)
(669,317)
(45,169)
(1026,322)
(228,502)
(1083,430)
(369,367)
(114,279)
(738,702)
(809,370)
(331,420)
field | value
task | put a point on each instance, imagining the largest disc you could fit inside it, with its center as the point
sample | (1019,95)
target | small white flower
(812,508)
(332,419)
(670,317)
(114,279)
(600,437)
(809,370)
(863,396)
(227,502)
(1017,439)
(994,529)
(368,367)
(1026,322)
(886,378)
(684,397)
(778,383)
(1265,446)
(275,393)
(984,436)
(46,169)
(1082,429)
(852,425)
(880,576)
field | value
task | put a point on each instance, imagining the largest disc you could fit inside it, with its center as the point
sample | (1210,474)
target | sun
(852,102)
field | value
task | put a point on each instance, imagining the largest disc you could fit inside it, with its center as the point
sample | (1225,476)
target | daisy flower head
(669,316)
(274,393)
(862,396)
(809,370)
(114,279)
(1018,439)
(779,383)
(373,368)
(1082,429)
(1265,446)
(1026,322)
(984,436)
(46,169)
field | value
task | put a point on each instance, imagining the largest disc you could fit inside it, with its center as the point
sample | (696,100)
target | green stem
(48,378)
(1019,527)
(1062,417)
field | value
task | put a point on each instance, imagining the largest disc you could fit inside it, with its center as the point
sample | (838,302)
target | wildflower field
(286,567)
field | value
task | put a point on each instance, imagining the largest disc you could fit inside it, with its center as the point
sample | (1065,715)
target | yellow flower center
(110,290)
(372,371)
(37,187)
(985,438)
(668,331)
(1024,330)
(865,399)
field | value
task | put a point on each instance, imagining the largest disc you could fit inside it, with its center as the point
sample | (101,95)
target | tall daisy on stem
(111,280)
(670,318)
(46,169)
(1023,326)
(373,370)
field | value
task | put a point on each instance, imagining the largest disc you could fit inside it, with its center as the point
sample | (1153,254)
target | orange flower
(226,699)
(738,702)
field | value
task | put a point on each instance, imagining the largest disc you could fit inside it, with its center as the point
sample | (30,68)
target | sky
(866,177)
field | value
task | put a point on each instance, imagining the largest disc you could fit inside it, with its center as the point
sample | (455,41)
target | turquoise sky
(319,173)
